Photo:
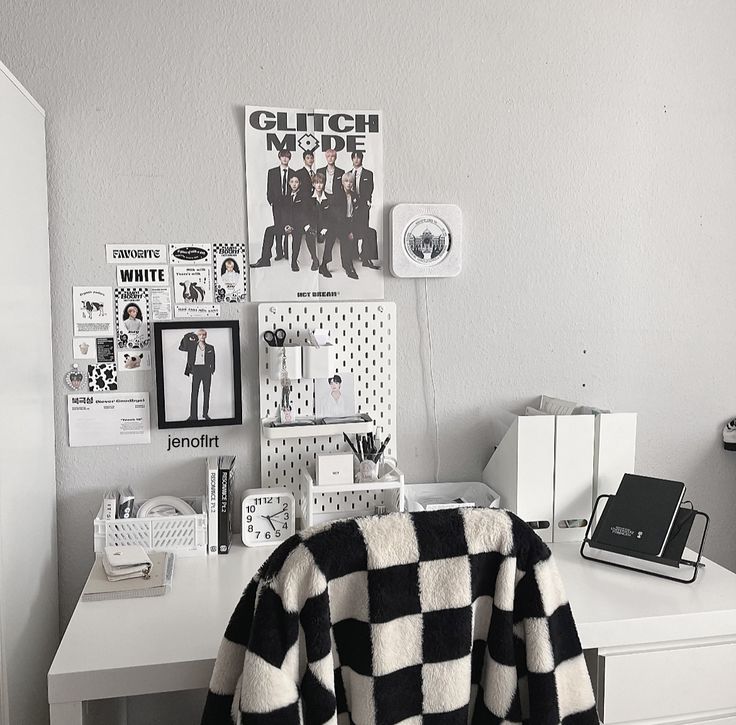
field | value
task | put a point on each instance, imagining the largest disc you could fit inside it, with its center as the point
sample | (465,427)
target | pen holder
(319,362)
(370,471)
(367,471)
(293,362)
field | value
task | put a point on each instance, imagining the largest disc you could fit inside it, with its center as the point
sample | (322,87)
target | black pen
(349,442)
(378,455)
(377,441)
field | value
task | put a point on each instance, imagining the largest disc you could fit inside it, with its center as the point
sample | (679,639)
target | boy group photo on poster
(320,208)
(315,200)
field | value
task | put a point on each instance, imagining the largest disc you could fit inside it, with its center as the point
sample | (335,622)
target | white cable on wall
(434,387)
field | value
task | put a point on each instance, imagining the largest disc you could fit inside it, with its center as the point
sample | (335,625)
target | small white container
(334,468)
(319,362)
(293,362)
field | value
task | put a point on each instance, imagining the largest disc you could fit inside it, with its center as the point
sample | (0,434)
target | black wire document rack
(672,557)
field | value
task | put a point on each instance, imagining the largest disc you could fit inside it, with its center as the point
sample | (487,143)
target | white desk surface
(123,647)
(159,644)
(614,607)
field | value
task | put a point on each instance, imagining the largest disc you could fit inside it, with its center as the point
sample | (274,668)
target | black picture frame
(176,355)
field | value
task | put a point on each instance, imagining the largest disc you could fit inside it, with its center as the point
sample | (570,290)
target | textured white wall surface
(591,146)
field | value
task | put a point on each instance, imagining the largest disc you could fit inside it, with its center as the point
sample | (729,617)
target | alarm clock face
(268,517)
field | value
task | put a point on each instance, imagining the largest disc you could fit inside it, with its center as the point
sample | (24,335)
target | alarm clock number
(267,519)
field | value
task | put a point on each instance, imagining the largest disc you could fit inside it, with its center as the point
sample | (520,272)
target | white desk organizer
(364,342)
(183,535)
(319,504)
(549,469)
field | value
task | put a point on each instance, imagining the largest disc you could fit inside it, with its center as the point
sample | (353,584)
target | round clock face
(427,240)
(267,518)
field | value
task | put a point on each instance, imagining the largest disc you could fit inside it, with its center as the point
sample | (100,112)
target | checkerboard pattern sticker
(430,618)
(229,273)
(131,310)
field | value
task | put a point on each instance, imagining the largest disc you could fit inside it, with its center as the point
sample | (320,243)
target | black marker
(378,455)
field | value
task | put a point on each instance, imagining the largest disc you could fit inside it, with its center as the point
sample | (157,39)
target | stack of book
(220,471)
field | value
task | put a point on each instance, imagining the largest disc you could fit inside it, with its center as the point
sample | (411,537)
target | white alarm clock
(268,516)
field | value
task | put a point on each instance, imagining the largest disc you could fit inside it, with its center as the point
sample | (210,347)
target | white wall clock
(426,240)
(268,516)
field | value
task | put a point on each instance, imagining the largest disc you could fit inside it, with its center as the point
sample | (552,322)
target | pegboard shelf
(353,487)
(316,502)
(313,431)
(364,338)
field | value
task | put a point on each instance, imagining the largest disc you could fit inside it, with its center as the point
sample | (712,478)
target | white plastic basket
(182,535)
(479,493)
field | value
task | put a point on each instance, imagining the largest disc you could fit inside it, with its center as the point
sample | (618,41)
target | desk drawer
(667,682)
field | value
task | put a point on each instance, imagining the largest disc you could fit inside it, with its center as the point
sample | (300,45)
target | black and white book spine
(212,505)
(231,504)
(223,528)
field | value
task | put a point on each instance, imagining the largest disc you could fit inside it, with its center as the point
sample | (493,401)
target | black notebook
(640,517)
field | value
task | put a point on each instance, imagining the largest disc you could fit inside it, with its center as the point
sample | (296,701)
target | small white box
(334,468)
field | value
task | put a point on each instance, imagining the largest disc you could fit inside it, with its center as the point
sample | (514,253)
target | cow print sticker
(102,378)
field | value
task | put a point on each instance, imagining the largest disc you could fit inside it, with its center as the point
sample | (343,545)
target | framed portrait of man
(198,373)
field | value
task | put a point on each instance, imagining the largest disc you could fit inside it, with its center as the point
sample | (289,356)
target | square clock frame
(426,240)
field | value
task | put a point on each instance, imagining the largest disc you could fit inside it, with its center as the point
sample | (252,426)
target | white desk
(657,649)
(125,647)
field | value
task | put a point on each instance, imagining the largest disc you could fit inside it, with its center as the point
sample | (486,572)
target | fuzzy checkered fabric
(432,618)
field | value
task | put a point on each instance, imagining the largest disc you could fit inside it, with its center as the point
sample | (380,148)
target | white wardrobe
(29,611)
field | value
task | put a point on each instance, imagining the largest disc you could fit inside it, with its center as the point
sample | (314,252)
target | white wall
(591,146)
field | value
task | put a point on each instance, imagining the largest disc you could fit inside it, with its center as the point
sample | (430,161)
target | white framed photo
(198,373)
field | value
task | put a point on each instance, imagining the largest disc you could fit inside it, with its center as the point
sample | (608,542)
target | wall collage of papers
(315,194)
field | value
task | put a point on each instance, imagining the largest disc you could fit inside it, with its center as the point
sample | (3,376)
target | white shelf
(352,487)
(366,496)
(313,431)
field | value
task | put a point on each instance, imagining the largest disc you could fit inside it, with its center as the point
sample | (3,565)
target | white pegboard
(365,336)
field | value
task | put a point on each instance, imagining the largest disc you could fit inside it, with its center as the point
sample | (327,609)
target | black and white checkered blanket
(432,618)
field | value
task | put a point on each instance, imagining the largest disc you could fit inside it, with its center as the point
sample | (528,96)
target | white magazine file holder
(549,469)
